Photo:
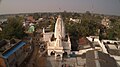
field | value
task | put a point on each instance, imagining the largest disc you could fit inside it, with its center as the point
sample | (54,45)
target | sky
(111,7)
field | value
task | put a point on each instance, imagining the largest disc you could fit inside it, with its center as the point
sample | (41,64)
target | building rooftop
(99,59)
(91,58)
(3,43)
(7,53)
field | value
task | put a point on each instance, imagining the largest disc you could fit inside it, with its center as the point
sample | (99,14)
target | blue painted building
(15,55)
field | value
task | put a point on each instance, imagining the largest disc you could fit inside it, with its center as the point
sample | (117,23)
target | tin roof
(13,49)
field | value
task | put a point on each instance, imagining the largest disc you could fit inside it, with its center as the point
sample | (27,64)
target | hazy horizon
(110,7)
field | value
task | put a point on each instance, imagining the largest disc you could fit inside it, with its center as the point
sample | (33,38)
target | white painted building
(75,20)
(106,22)
(57,42)
(3,20)
(111,47)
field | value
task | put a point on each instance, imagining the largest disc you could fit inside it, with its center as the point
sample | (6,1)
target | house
(4,45)
(30,18)
(106,22)
(75,20)
(99,59)
(14,52)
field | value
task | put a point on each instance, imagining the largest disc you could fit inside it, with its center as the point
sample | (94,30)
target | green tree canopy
(13,29)
(85,28)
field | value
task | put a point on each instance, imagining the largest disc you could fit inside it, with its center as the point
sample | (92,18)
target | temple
(58,42)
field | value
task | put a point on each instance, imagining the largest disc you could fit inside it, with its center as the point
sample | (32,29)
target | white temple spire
(59,28)
(59,44)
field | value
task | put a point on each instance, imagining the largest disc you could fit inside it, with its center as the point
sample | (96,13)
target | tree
(110,34)
(113,32)
(36,16)
(52,26)
(13,29)
(116,29)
